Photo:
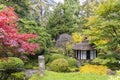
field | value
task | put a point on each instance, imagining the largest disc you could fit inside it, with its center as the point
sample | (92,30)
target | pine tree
(64,19)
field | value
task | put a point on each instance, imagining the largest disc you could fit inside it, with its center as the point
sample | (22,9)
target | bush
(53,50)
(11,63)
(56,56)
(59,65)
(109,60)
(35,68)
(97,69)
(73,69)
(71,61)
(28,66)
(61,51)
(18,76)
(51,57)
(47,58)
(32,62)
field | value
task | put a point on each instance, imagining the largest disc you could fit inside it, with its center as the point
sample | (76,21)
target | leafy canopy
(30,26)
(64,19)
(104,26)
(10,39)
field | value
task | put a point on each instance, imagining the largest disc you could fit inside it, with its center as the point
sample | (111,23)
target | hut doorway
(88,54)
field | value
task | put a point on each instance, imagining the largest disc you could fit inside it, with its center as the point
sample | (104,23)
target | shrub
(28,66)
(11,63)
(73,69)
(47,58)
(35,68)
(61,51)
(55,56)
(59,65)
(109,60)
(97,69)
(51,57)
(71,61)
(18,76)
(33,61)
(53,50)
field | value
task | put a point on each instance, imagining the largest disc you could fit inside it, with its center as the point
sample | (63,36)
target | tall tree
(21,6)
(40,9)
(10,40)
(43,38)
(64,18)
(104,26)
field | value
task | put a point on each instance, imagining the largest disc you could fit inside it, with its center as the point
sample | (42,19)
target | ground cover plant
(96,69)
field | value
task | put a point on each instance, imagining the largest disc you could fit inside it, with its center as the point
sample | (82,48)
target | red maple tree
(10,39)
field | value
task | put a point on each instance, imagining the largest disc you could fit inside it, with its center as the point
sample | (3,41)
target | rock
(29,73)
(62,40)
(110,72)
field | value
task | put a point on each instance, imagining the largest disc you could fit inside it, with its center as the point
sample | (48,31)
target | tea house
(84,51)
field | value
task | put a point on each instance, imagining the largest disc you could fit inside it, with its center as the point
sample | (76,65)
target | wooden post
(41,62)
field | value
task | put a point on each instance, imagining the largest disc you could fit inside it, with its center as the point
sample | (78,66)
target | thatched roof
(83,46)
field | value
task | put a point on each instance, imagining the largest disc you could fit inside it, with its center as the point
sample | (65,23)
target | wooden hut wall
(82,54)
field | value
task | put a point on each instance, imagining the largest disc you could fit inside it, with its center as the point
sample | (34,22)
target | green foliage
(47,58)
(35,68)
(51,57)
(28,66)
(104,26)
(11,63)
(59,65)
(56,56)
(68,76)
(118,72)
(69,49)
(61,51)
(106,7)
(21,6)
(64,19)
(32,62)
(18,76)
(110,60)
(71,61)
(43,39)
(73,69)
(101,61)
(53,50)
(2,6)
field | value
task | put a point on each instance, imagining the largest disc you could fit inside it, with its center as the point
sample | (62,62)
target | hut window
(95,54)
(83,54)
(91,54)
(79,55)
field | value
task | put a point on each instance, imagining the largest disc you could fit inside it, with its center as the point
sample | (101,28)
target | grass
(114,78)
(49,75)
